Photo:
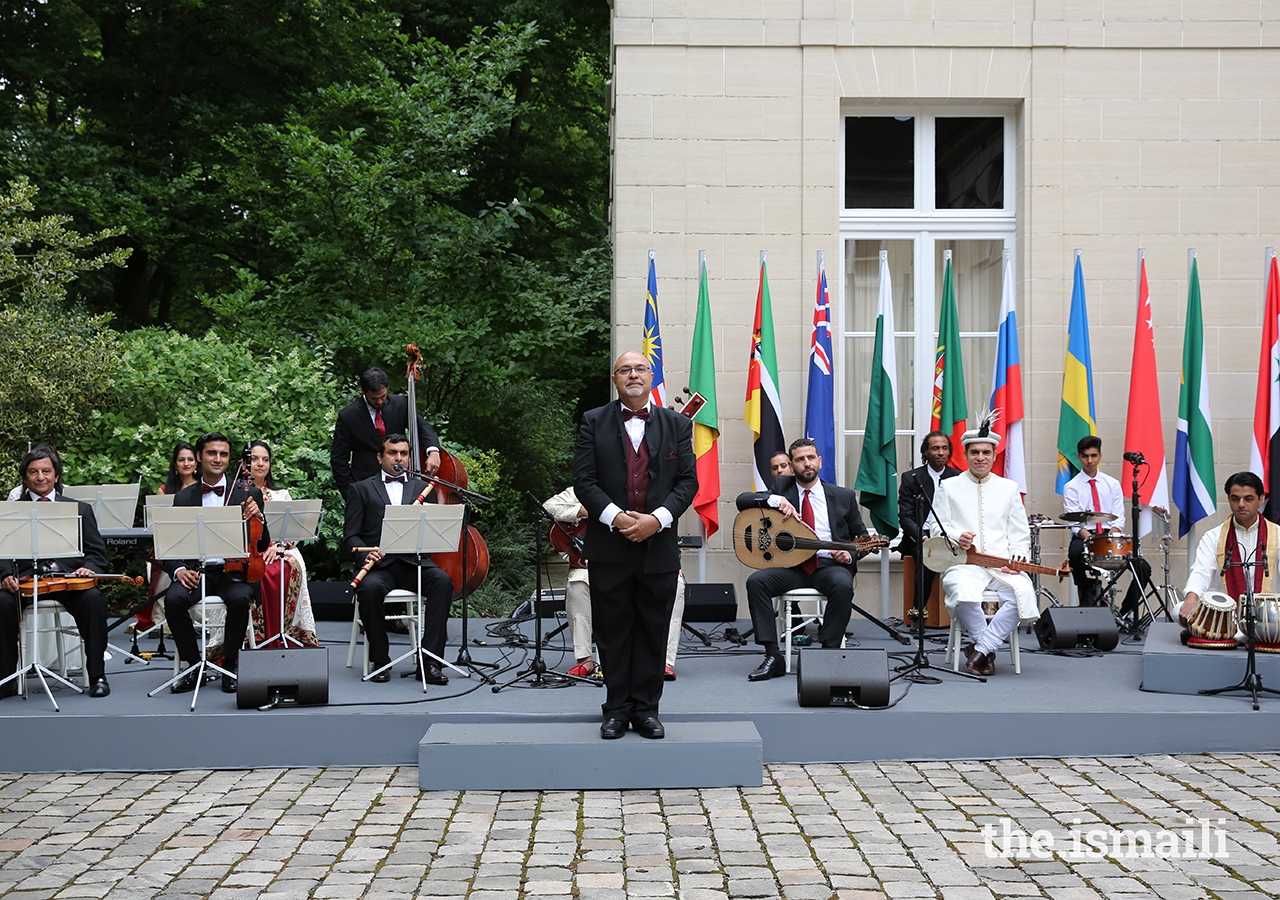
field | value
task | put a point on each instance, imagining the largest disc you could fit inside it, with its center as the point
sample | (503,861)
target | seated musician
(983,511)
(832,512)
(919,485)
(1239,542)
(1090,491)
(284,562)
(41,471)
(367,501)
(213,453)
(565,509)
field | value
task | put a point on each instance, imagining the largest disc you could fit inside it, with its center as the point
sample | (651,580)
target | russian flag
(1006,393)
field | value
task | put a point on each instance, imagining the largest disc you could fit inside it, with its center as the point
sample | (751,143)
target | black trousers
(88,608)
(398,573)
(1087,587)
(831,578)
(630,613)
(237,595)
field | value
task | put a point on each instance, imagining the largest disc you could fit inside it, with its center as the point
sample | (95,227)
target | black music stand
(1252,681)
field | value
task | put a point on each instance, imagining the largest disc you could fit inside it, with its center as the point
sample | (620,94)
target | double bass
(472,556)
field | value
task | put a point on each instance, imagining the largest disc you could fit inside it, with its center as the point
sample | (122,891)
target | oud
(769,540)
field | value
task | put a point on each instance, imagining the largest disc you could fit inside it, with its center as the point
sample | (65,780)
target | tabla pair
(1214,622)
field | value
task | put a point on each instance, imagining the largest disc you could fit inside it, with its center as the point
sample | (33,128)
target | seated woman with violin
(72,579)
(283,561)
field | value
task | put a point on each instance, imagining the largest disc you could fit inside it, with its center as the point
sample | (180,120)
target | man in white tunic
(983,511)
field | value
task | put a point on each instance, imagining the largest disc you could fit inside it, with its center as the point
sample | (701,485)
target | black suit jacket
(353,456)
(912,484)
(842,508)
(367,503)
(600,478)
(91,543)
(191,495)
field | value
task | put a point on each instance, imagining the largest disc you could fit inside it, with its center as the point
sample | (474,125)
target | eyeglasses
(627,370)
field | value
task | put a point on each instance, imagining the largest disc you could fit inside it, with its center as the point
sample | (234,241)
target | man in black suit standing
(935,450)
(367,503)
(635,472)
(41,471)
(364,423)
(213,456)
(832,512)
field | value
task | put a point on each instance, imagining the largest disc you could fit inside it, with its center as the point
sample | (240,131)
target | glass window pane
(859,353)
(862,284)
(969,166)
(979,369)
(977,270)
(879,162)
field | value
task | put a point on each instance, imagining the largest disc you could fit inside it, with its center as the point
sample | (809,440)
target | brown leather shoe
(988,664)
(974,664)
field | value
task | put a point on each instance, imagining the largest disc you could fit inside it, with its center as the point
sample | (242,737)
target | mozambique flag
(1077,417)
(763,410)
(706,422)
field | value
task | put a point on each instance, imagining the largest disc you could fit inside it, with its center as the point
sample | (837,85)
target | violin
(255,565)
(56,584)
(476,564)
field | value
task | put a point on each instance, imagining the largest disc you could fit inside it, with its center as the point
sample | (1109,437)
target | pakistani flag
(1193,491)
(878,467)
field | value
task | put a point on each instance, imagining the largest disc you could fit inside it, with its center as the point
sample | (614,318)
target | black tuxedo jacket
(842,508)
(367,502)
(600,478)
(353,455)
(91,543)
(192,496)
(912,484)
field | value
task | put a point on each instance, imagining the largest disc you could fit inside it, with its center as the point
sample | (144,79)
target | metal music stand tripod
(39,532)
(1252,681)
(537,674)
(1146,590)
(201,533)
(294,521)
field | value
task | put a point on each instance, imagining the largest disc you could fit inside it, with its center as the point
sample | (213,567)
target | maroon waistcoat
(637,474)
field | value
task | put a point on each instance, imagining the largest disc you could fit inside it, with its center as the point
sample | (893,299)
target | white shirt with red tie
(1077,496)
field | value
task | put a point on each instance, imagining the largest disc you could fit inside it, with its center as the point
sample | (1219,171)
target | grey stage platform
(1170,667)
(1059,706)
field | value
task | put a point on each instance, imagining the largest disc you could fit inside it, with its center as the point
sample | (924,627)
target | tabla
(1109,551)
(1266,624)
(1212,622)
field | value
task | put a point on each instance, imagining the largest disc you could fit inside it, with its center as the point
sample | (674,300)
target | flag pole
(884,552)
(1192,538)
(702,526)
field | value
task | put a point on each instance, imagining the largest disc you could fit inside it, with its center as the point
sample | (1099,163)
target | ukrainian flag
(1078,417)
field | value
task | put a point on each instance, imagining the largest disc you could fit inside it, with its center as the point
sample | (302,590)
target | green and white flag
(878,466)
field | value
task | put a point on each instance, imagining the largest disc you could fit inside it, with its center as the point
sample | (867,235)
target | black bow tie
(628,414)
(211,489)
(387,479)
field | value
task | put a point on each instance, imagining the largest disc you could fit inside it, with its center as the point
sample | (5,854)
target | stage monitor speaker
(331,601)
(283,677)
(713,602)
(842,677)
(1064,627)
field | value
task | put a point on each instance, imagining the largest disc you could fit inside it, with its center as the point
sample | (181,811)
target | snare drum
(1212,622)
(1108,550)
(1266,624)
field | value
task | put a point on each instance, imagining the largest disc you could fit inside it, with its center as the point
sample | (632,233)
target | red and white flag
(1264,454)
(1144,433)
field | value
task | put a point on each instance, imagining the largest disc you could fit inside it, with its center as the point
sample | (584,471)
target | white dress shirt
(1204,571)
(634,428)
(1078,497)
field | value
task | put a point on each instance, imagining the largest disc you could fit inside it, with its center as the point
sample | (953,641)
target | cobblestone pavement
(855,831)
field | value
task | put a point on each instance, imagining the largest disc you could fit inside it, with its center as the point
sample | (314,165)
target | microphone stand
(464,659)
(537,674)
(914,669)
(1252,681)
(1141,622)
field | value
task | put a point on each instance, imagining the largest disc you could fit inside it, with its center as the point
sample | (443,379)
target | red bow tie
(628,414)
(387,479)
(211,489)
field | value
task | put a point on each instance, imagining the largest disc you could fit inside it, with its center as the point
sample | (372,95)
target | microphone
(1134,457)
(397,468)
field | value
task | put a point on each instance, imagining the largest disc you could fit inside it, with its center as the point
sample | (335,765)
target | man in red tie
(1090,491)
(364,423)
(832,512)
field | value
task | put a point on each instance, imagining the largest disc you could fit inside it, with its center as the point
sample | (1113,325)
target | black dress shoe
(382,677)
(187,683)
(649,727)
(435,675)
(228,684)
(772,667)
(988,664)
(612,729)
(99,688)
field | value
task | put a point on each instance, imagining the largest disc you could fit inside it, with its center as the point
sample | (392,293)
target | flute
(368,564)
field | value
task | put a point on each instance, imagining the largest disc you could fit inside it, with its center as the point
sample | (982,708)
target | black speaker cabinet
(712,602)
(1064,627)
(842,677)
(288,677)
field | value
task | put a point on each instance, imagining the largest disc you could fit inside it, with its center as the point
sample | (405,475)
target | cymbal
(1088,517)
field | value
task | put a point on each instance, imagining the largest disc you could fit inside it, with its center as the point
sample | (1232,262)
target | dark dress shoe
(772,667)
(99,688)
(973,665)
(382,677)
(187,683)
(228,684)
(649,727)
(435,675)
(988,664)
(612,729)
